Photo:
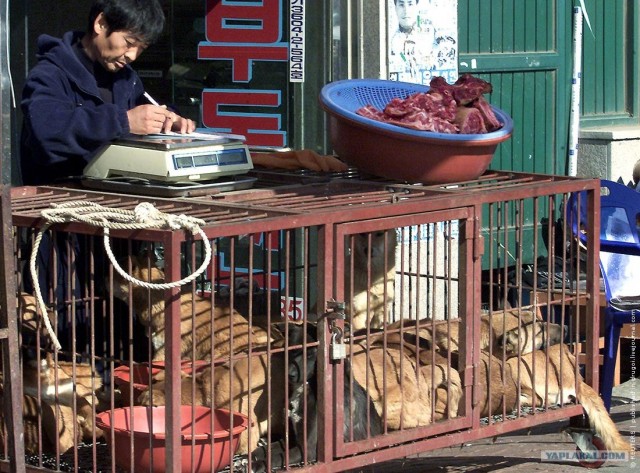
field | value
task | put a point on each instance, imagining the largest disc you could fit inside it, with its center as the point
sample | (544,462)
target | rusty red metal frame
(338,208)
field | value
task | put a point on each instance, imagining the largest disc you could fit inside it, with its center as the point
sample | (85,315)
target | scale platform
(171,164)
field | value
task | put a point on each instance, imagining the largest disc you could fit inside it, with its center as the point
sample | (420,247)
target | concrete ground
(522,451)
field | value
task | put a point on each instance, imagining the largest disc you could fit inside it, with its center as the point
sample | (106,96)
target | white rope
(144,216)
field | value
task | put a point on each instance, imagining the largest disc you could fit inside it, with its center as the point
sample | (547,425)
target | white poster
(423,40)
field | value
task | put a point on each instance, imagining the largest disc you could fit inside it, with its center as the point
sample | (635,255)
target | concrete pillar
(609,153)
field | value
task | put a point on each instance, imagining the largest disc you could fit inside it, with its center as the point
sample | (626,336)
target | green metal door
(523,49)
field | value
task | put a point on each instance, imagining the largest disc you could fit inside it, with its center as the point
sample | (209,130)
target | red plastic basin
(147,427)
(399,153)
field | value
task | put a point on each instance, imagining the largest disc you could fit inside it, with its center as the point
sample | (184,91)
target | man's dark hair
(143,18)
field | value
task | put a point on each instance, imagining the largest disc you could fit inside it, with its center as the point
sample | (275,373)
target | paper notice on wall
(623,271)
(296,40)
(423,40)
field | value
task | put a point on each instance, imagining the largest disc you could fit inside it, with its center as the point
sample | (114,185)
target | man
(83,93)
(411,44)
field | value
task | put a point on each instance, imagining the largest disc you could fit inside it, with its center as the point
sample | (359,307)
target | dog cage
(334,321)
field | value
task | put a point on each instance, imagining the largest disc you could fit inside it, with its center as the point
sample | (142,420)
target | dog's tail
(600,421)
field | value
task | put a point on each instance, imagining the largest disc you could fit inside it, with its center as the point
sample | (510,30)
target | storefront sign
(244,32)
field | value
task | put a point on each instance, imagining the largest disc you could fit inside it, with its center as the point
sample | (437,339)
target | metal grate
(291,251)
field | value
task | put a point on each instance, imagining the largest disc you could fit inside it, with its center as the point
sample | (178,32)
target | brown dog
(215,327)
(397,386)
(444,334)
(556,382)
(529,337)
(65,385)
(371,295)
(492,397)
(440,374)
(58,429)
(58,383)
(61,380)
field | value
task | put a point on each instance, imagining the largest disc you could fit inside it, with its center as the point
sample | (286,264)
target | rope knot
(145,212)
(176,222)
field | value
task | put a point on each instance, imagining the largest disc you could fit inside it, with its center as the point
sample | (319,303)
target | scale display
(225,157)
(171,158)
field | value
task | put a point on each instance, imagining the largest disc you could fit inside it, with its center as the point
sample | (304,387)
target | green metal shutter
(610,64)
(523,49)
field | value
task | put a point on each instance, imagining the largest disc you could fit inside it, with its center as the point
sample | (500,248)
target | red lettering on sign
(228,22)
(243,56)
(268,240)
(259,129)
(291,308)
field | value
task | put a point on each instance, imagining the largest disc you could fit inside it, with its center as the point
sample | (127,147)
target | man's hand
(175,122)
(147,119)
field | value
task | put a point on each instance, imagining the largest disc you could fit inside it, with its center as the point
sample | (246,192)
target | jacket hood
(60,52)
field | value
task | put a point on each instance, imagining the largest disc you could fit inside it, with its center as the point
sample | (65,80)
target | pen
(151,99)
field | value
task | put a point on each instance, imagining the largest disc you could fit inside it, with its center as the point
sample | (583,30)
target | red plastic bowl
(147,427)
(394,152)
(138,378)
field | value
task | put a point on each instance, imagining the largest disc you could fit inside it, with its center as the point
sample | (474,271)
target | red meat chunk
(491,121)
(445,108)
(469,120)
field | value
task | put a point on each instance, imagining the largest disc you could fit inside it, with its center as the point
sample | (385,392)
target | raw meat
(445,108)
(469,120)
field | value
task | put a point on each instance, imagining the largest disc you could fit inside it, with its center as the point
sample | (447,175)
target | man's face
(117,49)
(407,12)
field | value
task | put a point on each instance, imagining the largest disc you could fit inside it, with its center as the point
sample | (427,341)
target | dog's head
(142,268)
(531,336)
(380,246)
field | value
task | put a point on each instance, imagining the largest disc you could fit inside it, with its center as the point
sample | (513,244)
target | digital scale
(171,164)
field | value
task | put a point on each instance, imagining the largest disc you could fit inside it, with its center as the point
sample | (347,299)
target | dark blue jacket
(65,120)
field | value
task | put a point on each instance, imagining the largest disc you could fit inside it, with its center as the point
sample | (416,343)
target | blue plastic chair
(619,265)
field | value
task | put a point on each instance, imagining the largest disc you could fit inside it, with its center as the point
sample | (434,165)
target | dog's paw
(241,464)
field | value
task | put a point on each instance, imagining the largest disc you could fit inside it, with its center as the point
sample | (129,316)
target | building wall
(609,153)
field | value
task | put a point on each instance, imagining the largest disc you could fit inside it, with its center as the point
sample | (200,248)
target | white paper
(198,135)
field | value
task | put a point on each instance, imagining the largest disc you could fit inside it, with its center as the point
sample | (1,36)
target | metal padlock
(337,350)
